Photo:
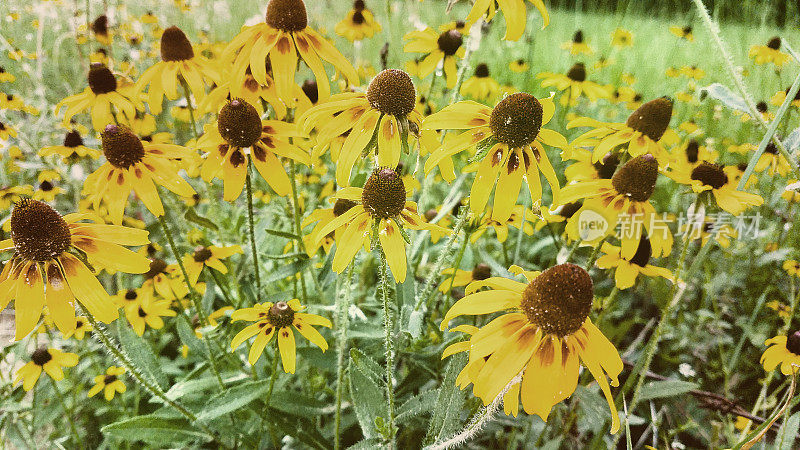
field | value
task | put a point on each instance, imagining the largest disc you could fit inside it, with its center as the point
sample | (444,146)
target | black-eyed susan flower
(6,131)
(769,53)
(574,84)
(135,165)
(179,63)
(380,209)
(163,279)
(543,336)
(104,97)
(149,313)
(501,229)
(82,326)
(642,131)
(48,265)
(209,256)
(514,11)
(577,45)
(626,195)
(457,277)
(710,179)
(772,161)
(691,153)
(685,32)
(359,23)
(252,92)
(626,271)
(780,97)
(278,318)
(509,148)
(71,149)
(783,350)
(283,35)
(621,38)
(442,47)
(6,77)
(49,360)
(519,66)
(792,267)
(101,31)
(240,134)
(382,116)
(322,217)
(109,383)
(480,86)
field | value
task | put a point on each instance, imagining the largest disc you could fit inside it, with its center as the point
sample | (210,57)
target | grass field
(691,339)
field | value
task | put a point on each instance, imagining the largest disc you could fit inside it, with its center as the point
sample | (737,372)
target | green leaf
(418,404)
(368,397)
(667,388)
(140,353)
(411,321)
(722,94)
(188,387)
(297,404)
(788,432)
(286,271)
(283,234)
(154,430)
(187,336)
(233,399)
(368,366)
(192,216)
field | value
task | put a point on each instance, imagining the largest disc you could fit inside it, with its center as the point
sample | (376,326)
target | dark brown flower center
(559,300)
(482,70)
(652,118)
(130,294)
(358,17)
(687,30)
(692,151)
(643,252)
(157,267)
(73,139)
(384,194)
(481,271)
(793,343)
(516,120)
(359,5)
(101,80)
(771,148)
(570,209)
(710,174)
(637,178)
(121,147)
(108,379)
(607,166)
(449,42)
(762,107)
(46,186)
(577,72)
(41,356)
(175,46)
(100,25)
(280,315)
(578,37)
(310,89)
(239,123)
(342,205)
(287,15)
(38,232)
(392,92)
(201,254)
(141,312)
(774,43)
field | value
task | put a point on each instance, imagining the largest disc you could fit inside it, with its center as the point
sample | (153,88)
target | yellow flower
(278,318)
(780,97)
(792,267)
(690,153)
(50,360)
(386,111)
(252,92)
(149,313)
(574,83)
(6,132)
(109,383)
(627,270)
(783,350)
(621,38)
(178,62)
(542,337)
(514,11)
(774,161)
(642,131)
(770,53)
(6,77)
(442,47)
(101,30)
(577,46)
(479,227)
(359,23)
(103,93)
(208,256)
(480,86)
(480,272)
(44,269)
(683,32)
(283,35)
(784,311)
(82,326)
(519,66)
(135,165)
(72,148)
(509,142)
(711,178)
(240,133)
(163,279)
(378,211)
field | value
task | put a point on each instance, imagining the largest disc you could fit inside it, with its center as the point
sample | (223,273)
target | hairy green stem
(388,327)
(193,295)
(297,227)
(430,283)
(250,222)
(68,413)
(343,294)
(191,109)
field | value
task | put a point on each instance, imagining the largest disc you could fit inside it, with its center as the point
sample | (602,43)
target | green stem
(225,294)
(458,261)
(342,323)
(68,413)
(298,229)
(191,109)
(430,285)
(192,293)
(250,222)
(388,328)
(595,254)
(274,375)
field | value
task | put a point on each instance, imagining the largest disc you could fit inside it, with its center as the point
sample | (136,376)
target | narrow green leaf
(192,216)
(154,430)
(187,336)
(140,353)
(368,400)
(232,399)
(667,388)
(283,234)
